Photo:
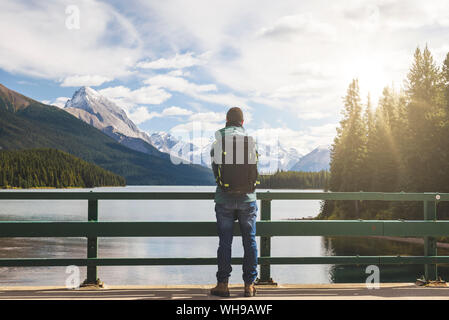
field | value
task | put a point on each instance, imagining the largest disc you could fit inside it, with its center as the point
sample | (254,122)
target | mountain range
(91,107)
(27,124)
(95,129)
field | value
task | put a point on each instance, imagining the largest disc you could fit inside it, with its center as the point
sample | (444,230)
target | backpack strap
(221,166)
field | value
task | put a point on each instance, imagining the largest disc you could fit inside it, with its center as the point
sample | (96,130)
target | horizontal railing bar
(27,195)
(380,196)
(377,260)
(416,228)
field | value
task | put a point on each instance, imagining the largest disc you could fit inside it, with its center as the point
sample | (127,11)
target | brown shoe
(221,290)
(250,290)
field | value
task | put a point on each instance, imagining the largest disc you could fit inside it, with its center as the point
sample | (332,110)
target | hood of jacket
(229,131)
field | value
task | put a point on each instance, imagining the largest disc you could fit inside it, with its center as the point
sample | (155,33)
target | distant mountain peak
(90,106)
(316,160)
(88,91)
(85,98)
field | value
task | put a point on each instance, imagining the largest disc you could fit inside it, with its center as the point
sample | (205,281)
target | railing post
(265,246)
(92,245)
(430,245)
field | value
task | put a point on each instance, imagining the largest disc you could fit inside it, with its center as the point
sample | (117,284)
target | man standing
(234,162)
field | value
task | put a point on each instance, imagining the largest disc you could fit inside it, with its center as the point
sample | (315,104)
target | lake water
(181,210)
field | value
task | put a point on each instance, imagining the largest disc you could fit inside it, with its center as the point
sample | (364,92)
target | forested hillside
(29,124)
(294,180)
(51,168)
(402,144)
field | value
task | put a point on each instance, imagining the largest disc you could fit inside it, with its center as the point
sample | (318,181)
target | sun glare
(372,78)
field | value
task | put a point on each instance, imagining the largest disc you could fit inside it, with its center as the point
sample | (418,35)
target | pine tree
(384,148)
(348,154)
(369,124)
(425,115)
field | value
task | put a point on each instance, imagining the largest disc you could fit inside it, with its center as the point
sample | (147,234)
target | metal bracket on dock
(97,284)
(270,282)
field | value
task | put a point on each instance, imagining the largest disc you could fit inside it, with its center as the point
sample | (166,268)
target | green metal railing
(429,228)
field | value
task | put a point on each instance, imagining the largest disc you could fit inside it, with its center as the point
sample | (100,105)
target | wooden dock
(392,291)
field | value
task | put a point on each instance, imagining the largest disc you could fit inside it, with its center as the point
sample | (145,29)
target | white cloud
(296,26)
(196,131)
(142,114)
(179,84)
(179,61)
(87,80)
(326,130)
(58,102)
(312,115)
(209,117)
(128,98)
(303,88)
(176,111)
(200,127)
(311,70)
(156,93)
(179,73)
(36,42)
(203,92)
(398,15)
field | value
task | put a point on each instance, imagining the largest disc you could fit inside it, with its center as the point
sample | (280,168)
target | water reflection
(369,246)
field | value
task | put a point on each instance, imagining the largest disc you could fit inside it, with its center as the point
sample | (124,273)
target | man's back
(220,195)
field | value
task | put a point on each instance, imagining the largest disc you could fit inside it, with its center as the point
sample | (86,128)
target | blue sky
(172,63)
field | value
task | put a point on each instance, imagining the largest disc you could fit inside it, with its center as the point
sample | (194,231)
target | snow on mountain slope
(318,159)
(271,158)
(100,112)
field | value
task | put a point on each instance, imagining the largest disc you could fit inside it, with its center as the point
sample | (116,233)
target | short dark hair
(234,115)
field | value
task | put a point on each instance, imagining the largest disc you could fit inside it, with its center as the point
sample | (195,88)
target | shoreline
(391,238)
(37,188)
(410,240)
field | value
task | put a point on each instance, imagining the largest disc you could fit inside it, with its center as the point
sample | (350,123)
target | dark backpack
(235,164)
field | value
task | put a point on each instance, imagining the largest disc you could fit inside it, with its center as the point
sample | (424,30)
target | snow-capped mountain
(318,159)
(163,141)
(271,157)
(100,112)
(274,157)
(166,142)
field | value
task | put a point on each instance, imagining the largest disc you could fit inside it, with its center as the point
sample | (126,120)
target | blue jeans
(246,214)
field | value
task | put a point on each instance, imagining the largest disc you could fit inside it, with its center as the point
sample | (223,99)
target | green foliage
(40,168)
(402,145)
(295,180)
